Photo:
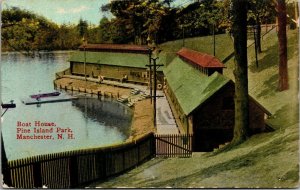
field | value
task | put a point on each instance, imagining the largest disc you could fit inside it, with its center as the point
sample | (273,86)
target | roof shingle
(190,86)
(202,59)
(116,48)
(112,58)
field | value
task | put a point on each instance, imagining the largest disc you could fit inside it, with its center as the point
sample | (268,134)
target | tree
(259,10)
(25,31)
(138,20)
(82,27)
(239,29)
(202,18)
(68,37)
(282,41)
(155,14)
(104,27)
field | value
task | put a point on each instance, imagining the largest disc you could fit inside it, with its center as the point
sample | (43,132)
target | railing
(174,145)
(74,168)
(265,29)
(60,74)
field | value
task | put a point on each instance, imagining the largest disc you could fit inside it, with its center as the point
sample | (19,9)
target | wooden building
(113,62)
(202,100)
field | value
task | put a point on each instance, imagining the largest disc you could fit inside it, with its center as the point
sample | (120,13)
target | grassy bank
(265,160)
(202,44)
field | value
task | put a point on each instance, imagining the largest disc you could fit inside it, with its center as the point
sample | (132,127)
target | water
(92,122)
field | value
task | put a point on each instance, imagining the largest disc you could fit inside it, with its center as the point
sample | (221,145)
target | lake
(84,123)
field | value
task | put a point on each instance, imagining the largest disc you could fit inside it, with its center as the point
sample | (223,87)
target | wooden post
(73,171)
(138,152)
(150,73)
(101,165)
(154,94)
(37,175)
(123,155)
(4,165)
(153,144)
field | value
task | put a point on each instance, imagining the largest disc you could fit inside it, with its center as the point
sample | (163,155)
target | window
(228,103)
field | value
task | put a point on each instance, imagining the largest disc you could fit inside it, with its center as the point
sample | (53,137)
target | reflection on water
(106,112)
(93,122)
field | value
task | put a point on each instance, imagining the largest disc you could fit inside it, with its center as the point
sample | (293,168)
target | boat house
(202,100)
(113,62)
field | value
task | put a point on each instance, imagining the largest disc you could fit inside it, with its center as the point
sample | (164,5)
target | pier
(54,99)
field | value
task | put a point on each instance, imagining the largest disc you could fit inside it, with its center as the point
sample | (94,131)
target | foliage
(139,22)
(261,12)
(29,32)
(198,18)
(82,27)
(156,22)
(26,31)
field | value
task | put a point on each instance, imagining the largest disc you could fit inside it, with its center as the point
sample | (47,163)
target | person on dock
(100,78)
(125,78)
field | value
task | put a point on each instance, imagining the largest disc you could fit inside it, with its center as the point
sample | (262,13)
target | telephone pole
(150,73)
(154,94)
(155,67)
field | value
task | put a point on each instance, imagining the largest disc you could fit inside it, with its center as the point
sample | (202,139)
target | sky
(62,11)
(65,11)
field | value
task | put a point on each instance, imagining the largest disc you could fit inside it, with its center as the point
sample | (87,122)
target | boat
(44,95)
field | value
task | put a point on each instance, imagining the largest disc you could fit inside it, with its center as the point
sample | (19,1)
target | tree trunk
(282,40)
(239,27)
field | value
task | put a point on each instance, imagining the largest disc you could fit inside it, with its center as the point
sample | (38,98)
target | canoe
(44,95)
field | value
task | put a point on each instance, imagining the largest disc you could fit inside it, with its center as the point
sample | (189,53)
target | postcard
(149,94)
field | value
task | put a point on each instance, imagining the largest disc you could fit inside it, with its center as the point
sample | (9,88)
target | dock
(53,99)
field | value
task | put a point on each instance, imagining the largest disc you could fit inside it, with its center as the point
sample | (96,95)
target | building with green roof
(200,96)
(202,101)
(113,62)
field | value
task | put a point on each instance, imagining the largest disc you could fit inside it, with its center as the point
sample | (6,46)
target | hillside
(266,160)
(202,44)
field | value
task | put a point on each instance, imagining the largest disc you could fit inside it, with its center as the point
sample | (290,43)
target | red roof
(116,48)
(202,59)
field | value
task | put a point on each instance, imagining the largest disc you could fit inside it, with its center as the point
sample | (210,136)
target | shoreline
(142,121)
(41,51)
